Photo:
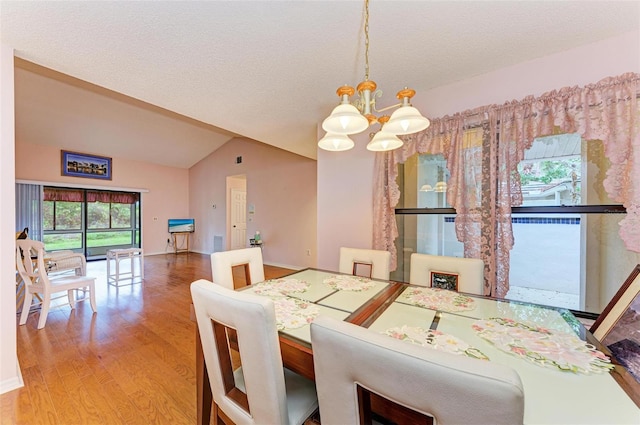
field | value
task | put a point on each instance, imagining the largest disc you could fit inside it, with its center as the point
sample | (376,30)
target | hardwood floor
(133,362)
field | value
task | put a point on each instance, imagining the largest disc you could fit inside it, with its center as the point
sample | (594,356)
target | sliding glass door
(90,221)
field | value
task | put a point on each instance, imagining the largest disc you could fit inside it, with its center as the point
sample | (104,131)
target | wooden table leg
(205,397)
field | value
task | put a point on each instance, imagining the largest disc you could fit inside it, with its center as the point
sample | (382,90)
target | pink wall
(577,67)
(166,189)
(345,200)
(280,185)
(345,179)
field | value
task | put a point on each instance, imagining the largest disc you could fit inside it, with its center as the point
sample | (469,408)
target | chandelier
(355,117)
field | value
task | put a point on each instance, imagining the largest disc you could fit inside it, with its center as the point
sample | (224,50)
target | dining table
(568,377)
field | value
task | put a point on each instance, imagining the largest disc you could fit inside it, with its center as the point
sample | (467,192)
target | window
(566,232)
(566,240)
(485,184)
(63,213)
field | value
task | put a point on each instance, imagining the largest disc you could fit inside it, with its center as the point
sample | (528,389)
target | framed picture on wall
(76,164)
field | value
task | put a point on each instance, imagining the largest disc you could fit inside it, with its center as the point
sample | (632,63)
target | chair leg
(26,306)
(44,311)
(92,296)
(117,271)
(72,299)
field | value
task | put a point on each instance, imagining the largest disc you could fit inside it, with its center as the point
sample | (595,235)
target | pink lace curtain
(607,111)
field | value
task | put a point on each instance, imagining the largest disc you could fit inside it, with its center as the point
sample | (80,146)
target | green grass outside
(74,240)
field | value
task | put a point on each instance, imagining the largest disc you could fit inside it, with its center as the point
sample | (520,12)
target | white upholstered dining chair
(450,388)
(38,282)
(468,272)
(365,262)
(261,391)
(222,264)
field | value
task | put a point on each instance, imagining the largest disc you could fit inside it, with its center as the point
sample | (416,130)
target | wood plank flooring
(131,363)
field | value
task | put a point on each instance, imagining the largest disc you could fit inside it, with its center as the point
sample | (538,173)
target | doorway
(237,211)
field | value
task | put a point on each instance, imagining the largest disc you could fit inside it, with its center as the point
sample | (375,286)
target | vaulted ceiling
(265,70)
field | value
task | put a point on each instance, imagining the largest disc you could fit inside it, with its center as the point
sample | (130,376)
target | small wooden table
(185,242)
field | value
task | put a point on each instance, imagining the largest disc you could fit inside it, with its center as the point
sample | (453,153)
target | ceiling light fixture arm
(368,98)
(404,95)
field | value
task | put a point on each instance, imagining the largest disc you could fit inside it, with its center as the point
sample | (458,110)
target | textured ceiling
(268,70)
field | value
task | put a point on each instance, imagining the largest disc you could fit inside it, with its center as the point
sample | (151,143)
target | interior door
(238,219)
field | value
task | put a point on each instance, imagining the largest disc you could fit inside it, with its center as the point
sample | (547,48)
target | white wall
(345,178)
(10,377)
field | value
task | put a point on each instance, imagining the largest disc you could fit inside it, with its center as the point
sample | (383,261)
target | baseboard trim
(12,383)
(284,266)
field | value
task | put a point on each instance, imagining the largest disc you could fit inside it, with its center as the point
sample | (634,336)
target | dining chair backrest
(223,262)
(365,262)
(255,393)
(467,273)
(27,261)
(351,361)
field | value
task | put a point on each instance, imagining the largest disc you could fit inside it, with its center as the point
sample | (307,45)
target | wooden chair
(37,281)
(261,391)
(222,264)
(460,274)
(365,262)
(451,389)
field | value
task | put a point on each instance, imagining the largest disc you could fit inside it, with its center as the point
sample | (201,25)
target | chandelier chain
(355,117)
(366,40)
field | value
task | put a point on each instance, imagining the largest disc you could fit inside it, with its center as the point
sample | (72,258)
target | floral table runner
(439,299)
(541,346)
(280,287)
(292,313)
(436,340)
(349,283)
